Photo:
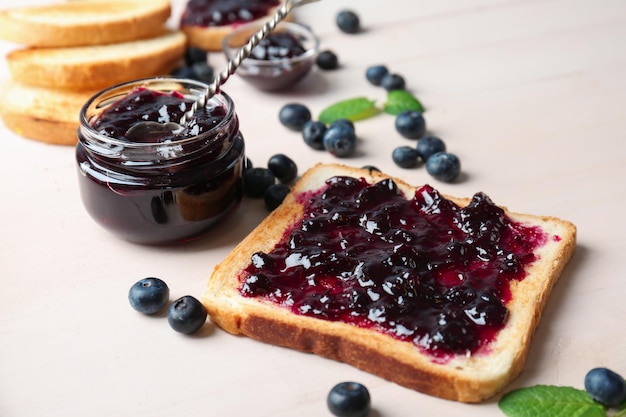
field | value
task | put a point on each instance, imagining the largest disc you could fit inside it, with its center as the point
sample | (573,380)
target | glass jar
(160,191)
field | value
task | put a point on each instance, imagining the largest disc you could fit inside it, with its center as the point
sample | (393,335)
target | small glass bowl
(273,75)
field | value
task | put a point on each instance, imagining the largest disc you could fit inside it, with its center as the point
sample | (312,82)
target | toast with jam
(79,23)
(207,22)
(435,293)
(97,66)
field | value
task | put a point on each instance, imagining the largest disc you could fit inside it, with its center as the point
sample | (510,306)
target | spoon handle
(243,53)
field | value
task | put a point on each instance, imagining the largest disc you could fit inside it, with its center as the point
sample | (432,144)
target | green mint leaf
(353,109)
(401,100)
(553,401)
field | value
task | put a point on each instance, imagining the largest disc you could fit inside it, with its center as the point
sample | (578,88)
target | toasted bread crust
(468,379)
(79,23)
(44,114)
(98,66)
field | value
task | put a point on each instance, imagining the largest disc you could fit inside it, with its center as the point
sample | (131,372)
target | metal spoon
(149,127)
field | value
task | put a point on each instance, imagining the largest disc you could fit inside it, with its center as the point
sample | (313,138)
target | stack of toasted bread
(67,52)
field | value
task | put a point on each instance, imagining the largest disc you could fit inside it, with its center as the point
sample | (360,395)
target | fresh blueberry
(327,60)
(605,386)
(405,156)
(411,124)
(256,180)
(313,134)
(248,164)
(274,195)
(186,315)
(348,21)
(294,116)
(194,55)
(349,399)
(340,140)
(444,166)
(346,122)
(184,72)
(429,145)
(149,295)
(202,72)
(375,74)
(392,81)
(283,167)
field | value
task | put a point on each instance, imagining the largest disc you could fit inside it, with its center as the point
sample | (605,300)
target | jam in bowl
(162,185)
(280,60)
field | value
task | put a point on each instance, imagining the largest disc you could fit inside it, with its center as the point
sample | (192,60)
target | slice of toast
(466,376)
(47,115)
(97,66)
(79,23)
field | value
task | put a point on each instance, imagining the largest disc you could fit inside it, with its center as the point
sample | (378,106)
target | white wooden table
(530,94)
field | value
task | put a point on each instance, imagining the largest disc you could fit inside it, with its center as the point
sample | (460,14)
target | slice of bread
(97,66)
(44,114)
(210,38)
(463,377)
(79,23)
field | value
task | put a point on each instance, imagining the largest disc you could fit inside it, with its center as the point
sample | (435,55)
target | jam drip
(225,12)
(143,104)
(422,270)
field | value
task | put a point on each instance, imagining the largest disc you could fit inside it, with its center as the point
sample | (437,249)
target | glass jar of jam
(149,179)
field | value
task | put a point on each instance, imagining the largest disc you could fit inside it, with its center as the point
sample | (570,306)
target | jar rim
(115,92)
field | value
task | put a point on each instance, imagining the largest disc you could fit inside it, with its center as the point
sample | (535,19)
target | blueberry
(346,122)
(348,21)
(411,124)
(392,81)
(444,166)
(248,164)
(149,295)
(375,74)
(429,145)
(202,71)
(184,72)
(186,315)
(349,399)
(294,116)
(605,386)
(405,156)
(313,134)
(283,167)
(193,55)
(256,180)
(274,195)
(340,140)
(327,60)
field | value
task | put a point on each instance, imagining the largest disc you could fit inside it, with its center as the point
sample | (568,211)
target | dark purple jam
(278,45)
(225,12)
(422,270)
(167,187)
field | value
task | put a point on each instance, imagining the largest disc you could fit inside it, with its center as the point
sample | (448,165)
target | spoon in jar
(151,128)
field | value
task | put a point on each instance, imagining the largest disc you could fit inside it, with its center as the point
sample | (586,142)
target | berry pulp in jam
(167,187)
(422,270)
(225,12)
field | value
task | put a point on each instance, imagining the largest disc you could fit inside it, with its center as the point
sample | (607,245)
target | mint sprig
(360,108)
(353,109)
(552,401)
(401,100)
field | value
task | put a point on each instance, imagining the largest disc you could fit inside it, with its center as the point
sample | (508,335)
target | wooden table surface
(530,94)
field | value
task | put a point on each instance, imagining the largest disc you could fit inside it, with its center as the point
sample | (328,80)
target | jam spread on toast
(423,270)
(225,12)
